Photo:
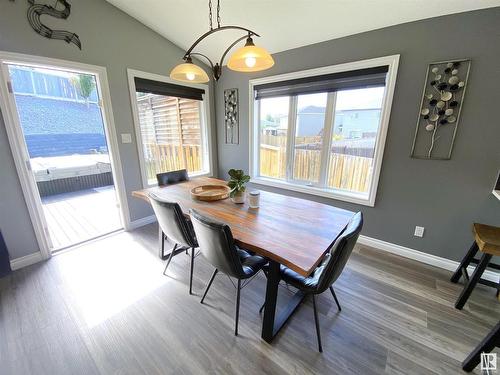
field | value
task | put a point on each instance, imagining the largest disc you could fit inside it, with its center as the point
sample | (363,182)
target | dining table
(288,231)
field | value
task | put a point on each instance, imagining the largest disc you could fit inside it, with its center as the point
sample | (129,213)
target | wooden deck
(80,216)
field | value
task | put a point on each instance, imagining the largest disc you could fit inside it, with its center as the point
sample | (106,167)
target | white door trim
(20,153)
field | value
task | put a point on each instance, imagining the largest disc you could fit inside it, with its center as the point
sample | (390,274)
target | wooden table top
(291,231)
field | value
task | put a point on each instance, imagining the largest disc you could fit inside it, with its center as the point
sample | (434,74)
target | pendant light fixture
(248,58)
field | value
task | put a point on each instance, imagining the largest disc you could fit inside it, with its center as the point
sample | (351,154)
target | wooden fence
(345,171)
(171,157)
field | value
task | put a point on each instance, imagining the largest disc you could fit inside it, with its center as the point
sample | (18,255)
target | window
(171,126)
(323,131)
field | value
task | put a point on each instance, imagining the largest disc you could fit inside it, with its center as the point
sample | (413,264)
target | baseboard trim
(142,222)
(389,247)
(420,256)
(26,261)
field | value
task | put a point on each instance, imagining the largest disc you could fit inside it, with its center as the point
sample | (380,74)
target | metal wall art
(440,108)
(231,116)
(36,10)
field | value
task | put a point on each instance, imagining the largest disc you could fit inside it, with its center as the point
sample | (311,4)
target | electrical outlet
(126,138)
(419,231)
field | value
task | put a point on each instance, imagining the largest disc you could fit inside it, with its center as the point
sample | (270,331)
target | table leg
(273,279)
(271,324)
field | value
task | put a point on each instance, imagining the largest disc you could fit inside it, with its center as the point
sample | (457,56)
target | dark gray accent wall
(110,38)
(443,196)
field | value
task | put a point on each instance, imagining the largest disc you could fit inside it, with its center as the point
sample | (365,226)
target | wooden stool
(486,239)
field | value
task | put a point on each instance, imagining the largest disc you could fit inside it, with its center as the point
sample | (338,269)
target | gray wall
(443,196)
(110,38)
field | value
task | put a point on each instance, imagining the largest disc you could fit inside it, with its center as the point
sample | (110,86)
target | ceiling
(284,24)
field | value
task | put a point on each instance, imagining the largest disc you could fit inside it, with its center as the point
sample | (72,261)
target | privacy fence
(346,168)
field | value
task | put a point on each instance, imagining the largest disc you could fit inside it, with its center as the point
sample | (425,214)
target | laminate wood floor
(106,308)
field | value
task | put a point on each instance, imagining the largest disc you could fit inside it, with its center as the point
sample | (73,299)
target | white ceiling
(284,24)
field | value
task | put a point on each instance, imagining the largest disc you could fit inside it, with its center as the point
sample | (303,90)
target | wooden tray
(210,192)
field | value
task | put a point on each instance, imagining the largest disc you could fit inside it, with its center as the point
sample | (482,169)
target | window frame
(392,62)
(206,135)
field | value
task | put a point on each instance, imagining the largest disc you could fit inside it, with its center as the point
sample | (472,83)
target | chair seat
(308,284)
(251,263)
(487,238)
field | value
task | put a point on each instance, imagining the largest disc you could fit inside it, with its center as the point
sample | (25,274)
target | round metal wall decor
(440,108)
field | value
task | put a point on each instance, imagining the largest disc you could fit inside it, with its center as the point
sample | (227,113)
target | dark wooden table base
(272,324)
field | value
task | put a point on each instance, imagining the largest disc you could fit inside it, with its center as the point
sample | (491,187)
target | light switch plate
(126,138)
(419,231)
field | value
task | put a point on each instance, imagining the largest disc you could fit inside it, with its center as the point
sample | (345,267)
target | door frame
(20,152)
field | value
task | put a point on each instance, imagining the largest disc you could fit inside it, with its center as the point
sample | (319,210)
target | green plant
(84,84)
(237,181)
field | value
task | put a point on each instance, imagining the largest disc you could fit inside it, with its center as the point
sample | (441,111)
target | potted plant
(237,184)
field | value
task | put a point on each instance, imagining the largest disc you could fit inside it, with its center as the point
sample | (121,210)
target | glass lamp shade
(188,72)
(250,58)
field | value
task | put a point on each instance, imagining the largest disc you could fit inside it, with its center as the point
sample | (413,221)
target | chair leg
(191,272)
(169,260)
(161,245)
(465,262)
(316,320)
(485,346)
(335,298)
(469,287)
(209,284)
(237,318)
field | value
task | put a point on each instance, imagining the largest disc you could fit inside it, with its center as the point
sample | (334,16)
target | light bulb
(190,76)
(250,61)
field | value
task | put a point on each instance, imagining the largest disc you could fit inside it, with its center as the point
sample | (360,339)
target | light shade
(250,58)
(188,72)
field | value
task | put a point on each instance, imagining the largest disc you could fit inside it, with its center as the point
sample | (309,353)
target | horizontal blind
(168,89)
(353,79)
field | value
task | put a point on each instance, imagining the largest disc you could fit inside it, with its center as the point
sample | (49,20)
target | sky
(348,99)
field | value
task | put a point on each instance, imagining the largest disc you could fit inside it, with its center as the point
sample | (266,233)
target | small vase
(239,197)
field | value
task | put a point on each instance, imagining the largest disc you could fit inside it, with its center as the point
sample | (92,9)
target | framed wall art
(440,107)
(231,121)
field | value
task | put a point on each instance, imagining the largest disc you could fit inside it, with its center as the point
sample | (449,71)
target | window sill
(330,193)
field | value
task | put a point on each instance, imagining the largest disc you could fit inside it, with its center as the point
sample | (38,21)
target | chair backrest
(216,244)
(172,221)
(341,250)
(172,177)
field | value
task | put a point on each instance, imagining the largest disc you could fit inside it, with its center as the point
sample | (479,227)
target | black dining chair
(172,177)
(329,269)
(164,179)
(217,246)
(177,227)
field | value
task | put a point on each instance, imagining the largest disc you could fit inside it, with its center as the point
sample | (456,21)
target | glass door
(59,119)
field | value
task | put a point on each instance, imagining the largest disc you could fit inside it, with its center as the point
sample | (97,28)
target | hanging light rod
(248,58)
